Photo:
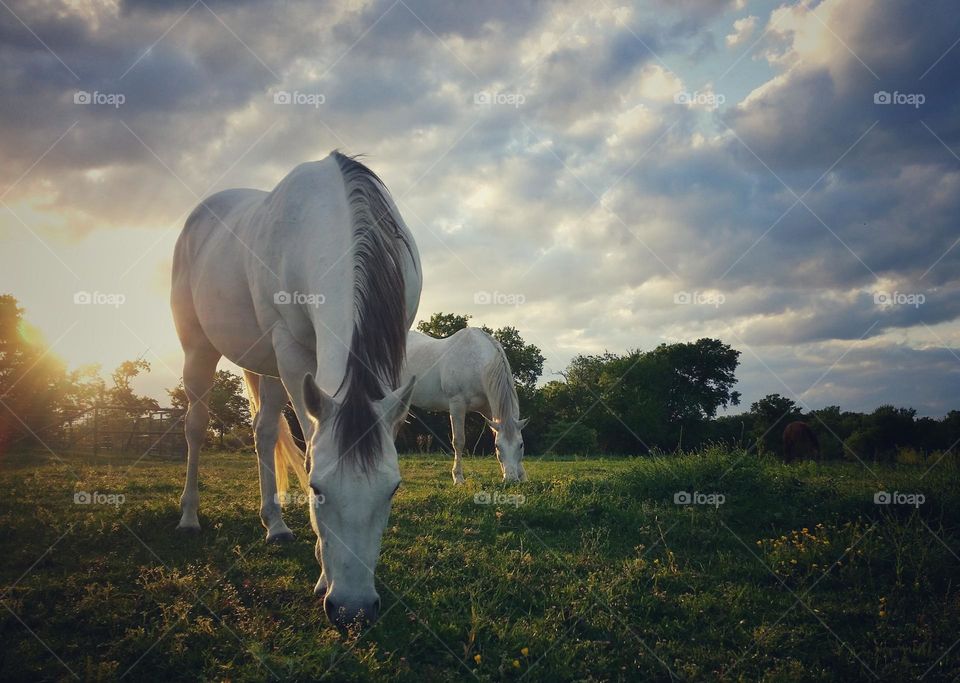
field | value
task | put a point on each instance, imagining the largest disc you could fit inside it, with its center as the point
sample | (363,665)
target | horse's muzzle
(344,616)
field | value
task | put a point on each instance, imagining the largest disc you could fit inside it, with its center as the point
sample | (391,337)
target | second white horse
(468,371)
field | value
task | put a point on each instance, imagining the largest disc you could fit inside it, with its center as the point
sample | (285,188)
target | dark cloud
(595,194)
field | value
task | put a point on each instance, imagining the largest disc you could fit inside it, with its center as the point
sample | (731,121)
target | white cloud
(742,31)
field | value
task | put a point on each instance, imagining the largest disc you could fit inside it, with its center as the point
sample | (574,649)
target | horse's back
(210,295)
(450,368)
(209,222)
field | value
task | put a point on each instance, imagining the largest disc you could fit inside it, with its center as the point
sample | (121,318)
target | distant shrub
(571,439)
(910,456)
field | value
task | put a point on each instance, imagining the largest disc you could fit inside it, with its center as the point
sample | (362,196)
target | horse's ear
(523,423)
(319,404)
(493,424)
(394,406)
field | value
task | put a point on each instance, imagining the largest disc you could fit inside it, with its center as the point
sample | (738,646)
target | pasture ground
(597,575)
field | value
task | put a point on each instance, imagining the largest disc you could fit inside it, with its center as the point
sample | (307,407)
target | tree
(893,427)
(571,438)
(227,401)
(32,381)
(526,360)
(771,414)
(121,394)
(442,325)
(656,399)
(830,427)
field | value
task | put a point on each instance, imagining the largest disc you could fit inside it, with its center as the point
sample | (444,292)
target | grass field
(595,574)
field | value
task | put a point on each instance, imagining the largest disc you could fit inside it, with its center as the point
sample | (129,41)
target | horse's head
(508,442)
(350,504)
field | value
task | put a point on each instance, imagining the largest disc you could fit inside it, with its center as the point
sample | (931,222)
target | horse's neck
(501,394)
(330,311)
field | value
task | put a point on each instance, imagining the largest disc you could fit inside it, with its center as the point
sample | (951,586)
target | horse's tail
(286,453)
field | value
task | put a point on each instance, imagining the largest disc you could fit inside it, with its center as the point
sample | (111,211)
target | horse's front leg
(198,370)
(458,414)
(266,430)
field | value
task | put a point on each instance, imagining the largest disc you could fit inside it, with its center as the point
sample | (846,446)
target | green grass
(598,575)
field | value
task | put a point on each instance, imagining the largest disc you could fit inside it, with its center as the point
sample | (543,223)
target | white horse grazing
(468,371)
(311,289)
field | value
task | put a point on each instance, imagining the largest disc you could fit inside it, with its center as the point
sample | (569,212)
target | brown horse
(800,442)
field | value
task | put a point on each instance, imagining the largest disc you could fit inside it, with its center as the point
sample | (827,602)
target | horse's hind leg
(199,368)
(266,430)
(458,414)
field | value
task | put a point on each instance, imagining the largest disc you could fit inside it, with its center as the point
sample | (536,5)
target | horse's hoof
(458,480)
(282,537)
(188,529)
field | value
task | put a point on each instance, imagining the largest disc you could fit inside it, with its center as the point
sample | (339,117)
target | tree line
(665,399)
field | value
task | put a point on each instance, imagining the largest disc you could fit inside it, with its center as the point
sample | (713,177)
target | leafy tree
(121,394)
(526,360)
(771,414)
(32,381)
(863,444)
(442,325)
(661,398)
(571,438)
(227,401)
(830,427)
(893,427)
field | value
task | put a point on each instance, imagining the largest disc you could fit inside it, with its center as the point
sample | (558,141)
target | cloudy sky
(601,175)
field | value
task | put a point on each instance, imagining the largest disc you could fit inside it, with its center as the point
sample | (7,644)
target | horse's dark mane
(378,343)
